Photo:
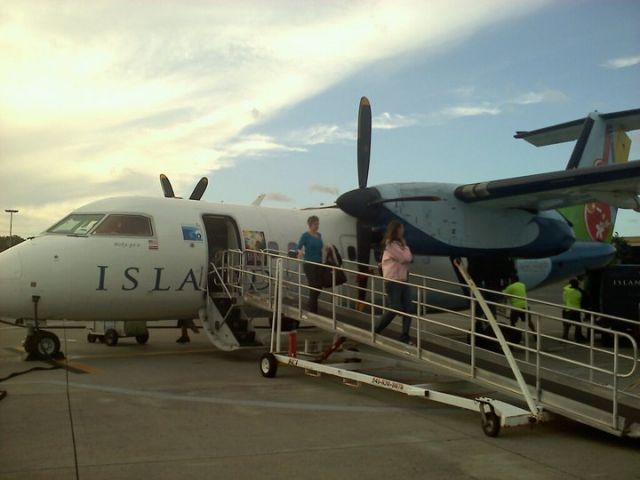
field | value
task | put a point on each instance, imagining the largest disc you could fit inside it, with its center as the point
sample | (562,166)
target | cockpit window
(131,225)
(76,224)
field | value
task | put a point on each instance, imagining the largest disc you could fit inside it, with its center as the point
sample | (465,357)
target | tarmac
(166,410)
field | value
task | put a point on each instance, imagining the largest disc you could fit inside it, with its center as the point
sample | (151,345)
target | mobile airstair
(531,366)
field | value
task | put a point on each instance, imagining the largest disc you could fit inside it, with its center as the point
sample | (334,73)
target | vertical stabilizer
(599,143)
(601,139)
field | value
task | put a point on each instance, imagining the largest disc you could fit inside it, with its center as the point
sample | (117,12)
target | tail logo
(598,216)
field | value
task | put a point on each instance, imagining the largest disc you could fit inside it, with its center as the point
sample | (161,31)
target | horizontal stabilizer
(617,185)
(626,120)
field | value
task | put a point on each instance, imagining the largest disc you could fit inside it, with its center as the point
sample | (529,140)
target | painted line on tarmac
(73,367)
(227,401)
(128,354)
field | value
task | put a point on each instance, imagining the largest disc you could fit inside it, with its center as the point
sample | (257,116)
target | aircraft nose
(10,275)
(10,265)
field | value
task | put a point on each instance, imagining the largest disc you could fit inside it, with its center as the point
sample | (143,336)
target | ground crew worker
(518,302)
(572,300)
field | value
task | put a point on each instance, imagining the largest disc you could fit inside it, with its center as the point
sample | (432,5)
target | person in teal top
(518,302)
(310,249)
(572,300)
(311,246)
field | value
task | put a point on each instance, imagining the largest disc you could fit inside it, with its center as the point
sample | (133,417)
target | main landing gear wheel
(142,339)
(111,337)
(490,423)
(268,365)
(43,344)
(91,338)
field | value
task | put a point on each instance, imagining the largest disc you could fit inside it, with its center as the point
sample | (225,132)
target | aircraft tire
(268,365)
(142,339)
(111,337)
(47,344)
(29,344)
(491,424)
(91,338)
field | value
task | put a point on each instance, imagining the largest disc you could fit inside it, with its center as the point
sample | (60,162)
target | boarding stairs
(229,323)
(540,370)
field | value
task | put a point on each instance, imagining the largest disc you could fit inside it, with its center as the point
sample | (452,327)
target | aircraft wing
(617,185)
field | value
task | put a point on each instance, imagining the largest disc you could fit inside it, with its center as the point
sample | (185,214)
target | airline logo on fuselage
(131,282)
(626,283)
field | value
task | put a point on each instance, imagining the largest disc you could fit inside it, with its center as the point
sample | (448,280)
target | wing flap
(617,184)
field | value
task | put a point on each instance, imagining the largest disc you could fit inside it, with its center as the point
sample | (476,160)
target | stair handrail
(524,388)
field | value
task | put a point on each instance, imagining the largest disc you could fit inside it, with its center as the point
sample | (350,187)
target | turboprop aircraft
(137,258)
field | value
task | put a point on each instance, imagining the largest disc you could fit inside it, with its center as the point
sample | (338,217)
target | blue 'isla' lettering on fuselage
(131,282)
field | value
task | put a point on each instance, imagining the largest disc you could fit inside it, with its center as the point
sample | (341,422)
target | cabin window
(76,224)
(130,225)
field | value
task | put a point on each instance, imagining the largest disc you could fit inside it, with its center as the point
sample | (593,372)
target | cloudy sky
(98,98)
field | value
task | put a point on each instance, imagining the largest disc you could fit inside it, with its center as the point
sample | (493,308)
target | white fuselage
(106,277)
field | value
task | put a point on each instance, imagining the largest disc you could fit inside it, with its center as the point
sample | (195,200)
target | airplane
(143,259)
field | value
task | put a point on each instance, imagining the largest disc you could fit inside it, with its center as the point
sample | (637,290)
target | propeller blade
(200,188)
(166,186)
(364,141)
(258,201)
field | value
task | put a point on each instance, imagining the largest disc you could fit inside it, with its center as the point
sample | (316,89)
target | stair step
(244,337)
(237,324)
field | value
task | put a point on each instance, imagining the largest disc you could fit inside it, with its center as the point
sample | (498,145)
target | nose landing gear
(42,345)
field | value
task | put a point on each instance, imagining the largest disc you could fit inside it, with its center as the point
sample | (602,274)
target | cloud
(546,96)
(319,134)
(622,62)
(326,134)
(387,121)
(470,111)
(255,145)
(126,90)
(331,133)
(278,197)
(324,189)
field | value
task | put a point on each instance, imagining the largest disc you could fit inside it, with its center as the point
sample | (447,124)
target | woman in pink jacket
(395,266)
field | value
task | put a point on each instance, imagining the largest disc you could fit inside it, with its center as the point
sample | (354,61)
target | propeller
(357,202)
(200,188)
(167,189)
(197,193)
(366,203)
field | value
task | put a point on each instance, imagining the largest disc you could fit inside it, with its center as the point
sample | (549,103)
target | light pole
(11,212)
